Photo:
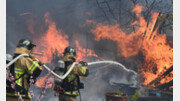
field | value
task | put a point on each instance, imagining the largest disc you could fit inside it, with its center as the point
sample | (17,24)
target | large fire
(158,55)
(55,40)
(52,40)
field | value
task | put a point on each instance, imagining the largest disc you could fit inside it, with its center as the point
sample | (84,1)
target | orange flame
(82,53)
(25,13)
(41,82)
(53,40)
(31,24)
(158,54)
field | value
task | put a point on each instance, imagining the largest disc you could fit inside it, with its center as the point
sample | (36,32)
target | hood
(69,57)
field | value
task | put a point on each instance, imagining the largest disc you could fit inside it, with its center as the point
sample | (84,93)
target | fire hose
(47,68)
(72,66)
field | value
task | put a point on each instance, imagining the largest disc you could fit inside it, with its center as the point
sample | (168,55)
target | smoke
(104,80)
(26,20)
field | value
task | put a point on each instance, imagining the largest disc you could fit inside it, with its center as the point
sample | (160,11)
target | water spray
(120,65)
(112,62)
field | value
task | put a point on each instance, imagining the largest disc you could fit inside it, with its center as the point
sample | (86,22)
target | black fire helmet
(70,50)
(26,43)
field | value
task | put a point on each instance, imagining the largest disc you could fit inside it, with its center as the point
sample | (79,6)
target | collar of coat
(21,50)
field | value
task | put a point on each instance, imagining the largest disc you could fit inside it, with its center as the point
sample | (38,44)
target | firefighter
(71,84)
(24,71)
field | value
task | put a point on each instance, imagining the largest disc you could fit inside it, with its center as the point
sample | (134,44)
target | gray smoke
(104,80)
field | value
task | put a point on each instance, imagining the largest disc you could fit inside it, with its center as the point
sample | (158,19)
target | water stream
(112,62)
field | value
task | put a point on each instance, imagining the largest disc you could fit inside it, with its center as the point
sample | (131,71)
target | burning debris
(157,53)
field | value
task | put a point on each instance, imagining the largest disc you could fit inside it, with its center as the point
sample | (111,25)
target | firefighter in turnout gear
(24,71)
(71,84)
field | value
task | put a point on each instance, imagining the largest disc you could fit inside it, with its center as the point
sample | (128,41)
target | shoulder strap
(19,77)
(78,79)
(12,69)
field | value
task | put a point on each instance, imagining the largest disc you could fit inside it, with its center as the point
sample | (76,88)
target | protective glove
(58,89)
(83,63)
(40,63)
